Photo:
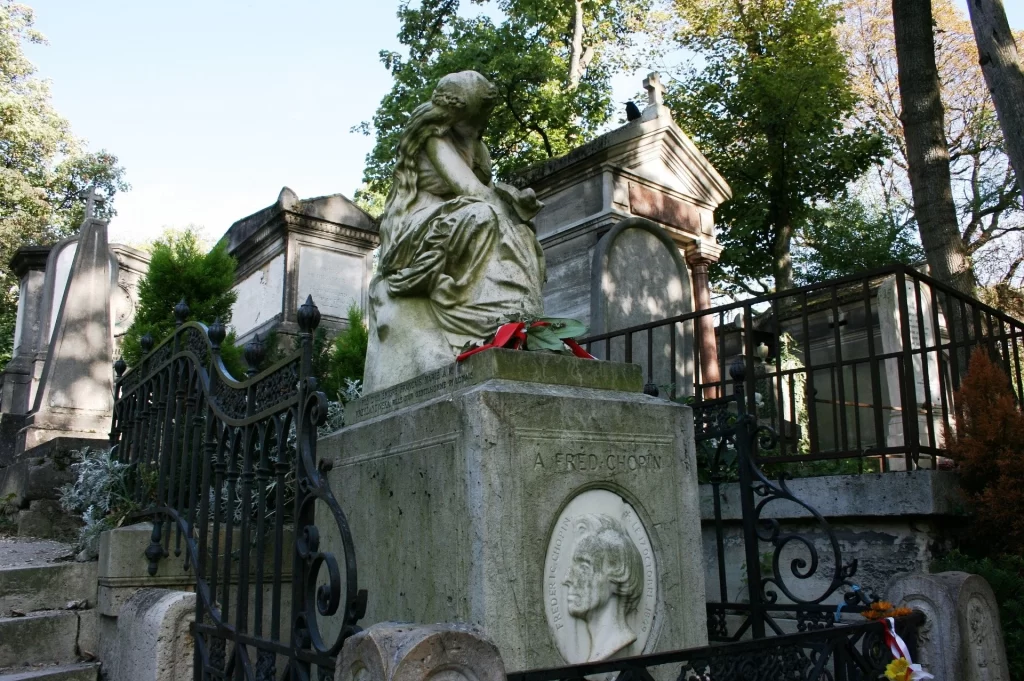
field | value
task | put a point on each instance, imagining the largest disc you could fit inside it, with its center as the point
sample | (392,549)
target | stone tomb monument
(512,491)
(628,233)
(298,247)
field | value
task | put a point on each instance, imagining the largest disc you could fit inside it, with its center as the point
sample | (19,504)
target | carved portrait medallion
(600,579)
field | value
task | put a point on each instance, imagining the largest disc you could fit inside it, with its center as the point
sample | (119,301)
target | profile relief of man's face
(604,583)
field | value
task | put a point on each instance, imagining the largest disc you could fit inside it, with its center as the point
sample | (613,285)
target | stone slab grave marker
(75,394)
(926,365)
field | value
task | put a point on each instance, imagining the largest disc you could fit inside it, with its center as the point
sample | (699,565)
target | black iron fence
(850,653)
(227,471)
(862,368)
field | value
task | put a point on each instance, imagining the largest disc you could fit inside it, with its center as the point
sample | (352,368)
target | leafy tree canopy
(770,105)
(44,168)
(987,197)
(551,63)
(847,237)
(180,267)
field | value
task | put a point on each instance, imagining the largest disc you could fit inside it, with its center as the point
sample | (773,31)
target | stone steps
(45,637)
(85,671)
(46,587)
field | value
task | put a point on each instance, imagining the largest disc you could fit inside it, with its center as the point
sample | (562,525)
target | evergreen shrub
(181,268)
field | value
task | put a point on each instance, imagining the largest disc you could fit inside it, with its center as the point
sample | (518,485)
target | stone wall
(891,523)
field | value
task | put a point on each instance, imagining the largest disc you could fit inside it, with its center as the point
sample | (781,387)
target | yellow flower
(898,670)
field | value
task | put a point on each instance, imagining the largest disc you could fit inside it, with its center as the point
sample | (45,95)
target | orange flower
(882,609)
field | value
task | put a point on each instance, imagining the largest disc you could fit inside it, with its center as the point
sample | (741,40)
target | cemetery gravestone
(921,314)
(961,638)
(478,503)
(75,394)
(538,496)
(628,234)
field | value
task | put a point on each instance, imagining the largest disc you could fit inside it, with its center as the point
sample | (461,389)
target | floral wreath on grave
(541,333)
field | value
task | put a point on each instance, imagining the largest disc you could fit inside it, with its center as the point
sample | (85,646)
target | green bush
(181,268)
(1005,574)
(340,362)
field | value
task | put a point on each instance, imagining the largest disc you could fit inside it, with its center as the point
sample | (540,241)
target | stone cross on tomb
(93,199)
(655,89)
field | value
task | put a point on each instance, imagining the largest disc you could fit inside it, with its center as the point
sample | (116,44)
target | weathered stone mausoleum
(295,248)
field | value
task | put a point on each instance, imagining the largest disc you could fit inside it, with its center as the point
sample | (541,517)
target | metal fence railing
(861,368)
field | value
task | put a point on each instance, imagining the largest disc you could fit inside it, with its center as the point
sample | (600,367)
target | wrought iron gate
(227,471)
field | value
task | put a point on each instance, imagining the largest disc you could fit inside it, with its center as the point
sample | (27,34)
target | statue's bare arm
(456,172)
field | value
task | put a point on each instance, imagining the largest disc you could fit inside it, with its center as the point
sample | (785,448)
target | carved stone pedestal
(540,497)
(961,637)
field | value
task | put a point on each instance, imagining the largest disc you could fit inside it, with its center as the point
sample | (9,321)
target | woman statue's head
(465,96)
(462,101)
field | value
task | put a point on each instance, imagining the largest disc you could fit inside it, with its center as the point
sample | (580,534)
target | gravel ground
(23,552)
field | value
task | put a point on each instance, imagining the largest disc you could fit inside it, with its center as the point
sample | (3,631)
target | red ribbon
(512,336)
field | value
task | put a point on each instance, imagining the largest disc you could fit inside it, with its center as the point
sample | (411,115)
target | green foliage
(43,166)
(770,107)
(340,363)
(180,267)
(371,201)
(545,107)
(848,237)
(1005,574)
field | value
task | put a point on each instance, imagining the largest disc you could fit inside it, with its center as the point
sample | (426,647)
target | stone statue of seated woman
(458,255)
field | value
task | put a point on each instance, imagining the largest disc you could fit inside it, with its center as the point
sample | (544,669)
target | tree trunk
(997,54)
(782,255)
(927,152)
(576,57)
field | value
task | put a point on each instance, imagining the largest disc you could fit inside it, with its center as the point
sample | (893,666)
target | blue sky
(213,106)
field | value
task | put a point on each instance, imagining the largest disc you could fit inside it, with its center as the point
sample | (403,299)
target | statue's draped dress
(448,272)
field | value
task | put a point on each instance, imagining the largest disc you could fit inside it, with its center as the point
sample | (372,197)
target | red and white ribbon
(898,648)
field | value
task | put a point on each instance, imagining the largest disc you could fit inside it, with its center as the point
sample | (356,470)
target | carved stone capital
(703,252)
(407,652)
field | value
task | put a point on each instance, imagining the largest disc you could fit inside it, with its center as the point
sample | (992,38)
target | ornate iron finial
(147,343)
(181,311)
(120,366)
(738,370)
(255,351)
(216,333)
(309,316)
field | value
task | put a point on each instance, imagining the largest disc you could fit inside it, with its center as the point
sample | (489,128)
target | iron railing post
(911,439)
(746,426)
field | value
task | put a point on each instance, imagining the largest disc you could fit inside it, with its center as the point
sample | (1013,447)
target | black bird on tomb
(632,111)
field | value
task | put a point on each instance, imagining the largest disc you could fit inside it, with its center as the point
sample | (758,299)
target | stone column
(407,652)
(961,638)
(699,257)
(29,264)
